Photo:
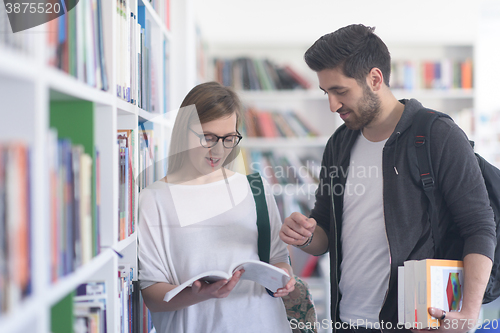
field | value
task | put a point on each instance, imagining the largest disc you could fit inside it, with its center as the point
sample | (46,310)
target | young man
(369,213)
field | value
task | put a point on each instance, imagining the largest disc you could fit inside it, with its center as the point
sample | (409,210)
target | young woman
(202,217)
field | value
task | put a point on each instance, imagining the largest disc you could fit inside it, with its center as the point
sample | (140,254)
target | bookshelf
(39,99)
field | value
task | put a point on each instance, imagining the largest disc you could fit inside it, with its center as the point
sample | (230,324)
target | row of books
(85,309)
(273,124)
(137,67)
(443,74)
(75,44)
(129,178)
(126,193)
(257,74)
(282,167)
(23,42)
(15,225)
(74,215)
(128,35)
(90,308)
(134,315)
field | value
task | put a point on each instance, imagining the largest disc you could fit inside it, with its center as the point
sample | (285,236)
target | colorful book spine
(258,74)
(75,44)
(272,124)
(438,74)
(15,225)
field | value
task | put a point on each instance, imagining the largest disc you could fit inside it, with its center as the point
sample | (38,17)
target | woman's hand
(289,287)
(219,289)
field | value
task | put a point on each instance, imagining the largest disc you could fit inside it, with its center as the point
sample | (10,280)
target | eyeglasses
(210,140)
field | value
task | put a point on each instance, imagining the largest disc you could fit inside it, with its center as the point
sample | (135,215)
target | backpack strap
(421,133)
(263,226)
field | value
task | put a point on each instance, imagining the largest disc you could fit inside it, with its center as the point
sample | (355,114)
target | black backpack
(420,155)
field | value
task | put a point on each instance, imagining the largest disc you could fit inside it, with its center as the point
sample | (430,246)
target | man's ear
(375,79)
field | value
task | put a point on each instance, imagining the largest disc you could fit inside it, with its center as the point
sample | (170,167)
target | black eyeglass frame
(202,137)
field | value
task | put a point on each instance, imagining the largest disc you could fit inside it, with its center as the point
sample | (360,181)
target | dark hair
(204,103)
(355,49)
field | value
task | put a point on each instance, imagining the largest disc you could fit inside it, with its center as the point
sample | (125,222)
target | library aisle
(89,101)
(86,112)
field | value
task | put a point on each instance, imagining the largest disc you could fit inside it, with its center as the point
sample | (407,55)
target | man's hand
(454,322)
(296,229)
(219,289)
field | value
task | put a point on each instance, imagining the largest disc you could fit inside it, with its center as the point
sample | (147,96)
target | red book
(297,77)
(267,125)
(167,14)
(428,75)
(309,266)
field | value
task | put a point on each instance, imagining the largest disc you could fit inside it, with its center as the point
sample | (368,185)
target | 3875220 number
(33,8)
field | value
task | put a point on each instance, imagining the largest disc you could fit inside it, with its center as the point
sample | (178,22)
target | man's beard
(368,110)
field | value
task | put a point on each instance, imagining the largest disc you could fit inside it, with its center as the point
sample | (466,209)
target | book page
(268,276)
(401,294)
(210,277)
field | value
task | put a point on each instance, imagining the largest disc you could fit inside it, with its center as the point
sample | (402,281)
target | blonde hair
(204,103)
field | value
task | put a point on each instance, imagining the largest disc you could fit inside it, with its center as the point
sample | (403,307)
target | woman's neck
(181,177)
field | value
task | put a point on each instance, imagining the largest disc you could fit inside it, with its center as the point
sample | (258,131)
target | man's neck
(383,126)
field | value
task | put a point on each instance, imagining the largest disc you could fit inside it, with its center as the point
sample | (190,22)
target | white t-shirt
(365,266)
(185,230)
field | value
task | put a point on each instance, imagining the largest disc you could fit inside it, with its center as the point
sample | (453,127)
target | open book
(267,275)
(428,283)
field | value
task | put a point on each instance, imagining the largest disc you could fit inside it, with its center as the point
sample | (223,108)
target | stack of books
(428,283)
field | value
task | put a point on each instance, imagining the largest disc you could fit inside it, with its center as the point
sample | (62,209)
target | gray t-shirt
(365,266)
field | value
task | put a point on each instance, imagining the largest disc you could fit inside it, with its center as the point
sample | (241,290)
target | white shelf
(157,118)
(271,143)
(124,244)
(67,284)
(423,94)
(17,64)
(316,94)
(270,95)
(27,310)
(67,87)
(125,108)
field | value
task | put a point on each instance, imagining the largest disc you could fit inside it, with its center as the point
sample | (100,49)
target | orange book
(467,74)
(18,220)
